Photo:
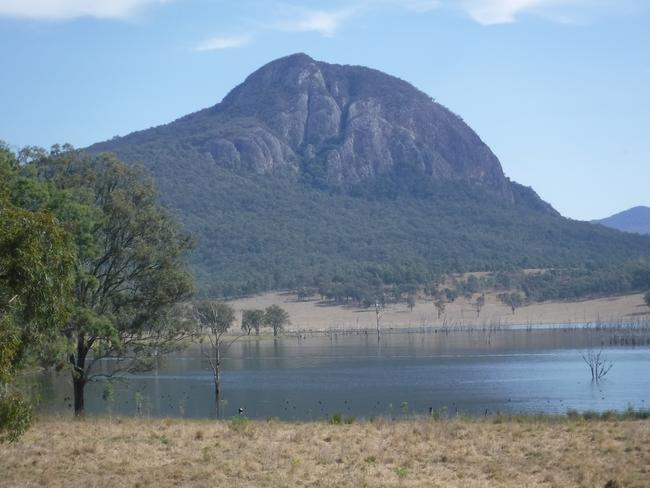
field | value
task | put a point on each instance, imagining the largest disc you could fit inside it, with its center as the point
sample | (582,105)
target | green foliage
(36,279)
(276,318)
(261,232)
(252,320)
(108,394)
(217,317)
(16,416)
(404,407)
(239,422)
(36,266)
(590,280)
(589,415)
(130,268)
(336,419)
(514,300)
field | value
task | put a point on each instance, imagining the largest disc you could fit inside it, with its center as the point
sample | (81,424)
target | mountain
(310,172)
(636,219)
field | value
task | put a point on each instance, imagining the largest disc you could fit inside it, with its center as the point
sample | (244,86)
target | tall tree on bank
(130,269)
(36,279)
(214,319)
(276,317)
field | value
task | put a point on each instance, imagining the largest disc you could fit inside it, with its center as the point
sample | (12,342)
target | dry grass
(450,453)
(312,315)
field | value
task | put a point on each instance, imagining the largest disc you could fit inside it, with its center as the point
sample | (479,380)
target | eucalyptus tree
(514,300)
(130,264)
(252,320)
(36,279)
(214,319)
(276,317)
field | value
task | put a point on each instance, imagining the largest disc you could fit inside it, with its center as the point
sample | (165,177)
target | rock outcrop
(344,124)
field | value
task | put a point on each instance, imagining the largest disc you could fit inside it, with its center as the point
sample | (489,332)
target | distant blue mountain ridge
(636,219)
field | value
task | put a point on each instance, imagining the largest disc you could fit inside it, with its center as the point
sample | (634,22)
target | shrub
(401,472)
(16,416)
(336,419)
(238,422)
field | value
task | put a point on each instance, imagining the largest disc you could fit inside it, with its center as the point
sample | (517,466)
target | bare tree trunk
(217,383)
(377,312)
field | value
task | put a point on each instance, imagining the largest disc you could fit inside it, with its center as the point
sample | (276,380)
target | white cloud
(215,43)
(489,12)
(70,9)
(324,22)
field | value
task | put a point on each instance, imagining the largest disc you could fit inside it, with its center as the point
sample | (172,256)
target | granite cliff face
(339,126)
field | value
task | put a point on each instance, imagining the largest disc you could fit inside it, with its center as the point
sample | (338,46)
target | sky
(559,89)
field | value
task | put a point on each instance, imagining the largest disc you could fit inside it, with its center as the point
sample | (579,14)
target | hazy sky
(559,89)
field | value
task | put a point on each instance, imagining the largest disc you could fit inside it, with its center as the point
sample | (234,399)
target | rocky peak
(338,126)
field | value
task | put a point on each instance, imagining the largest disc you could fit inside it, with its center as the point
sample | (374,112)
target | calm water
(538,370)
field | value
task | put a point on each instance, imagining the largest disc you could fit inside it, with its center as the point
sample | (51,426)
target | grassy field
(314,315)
(409,453)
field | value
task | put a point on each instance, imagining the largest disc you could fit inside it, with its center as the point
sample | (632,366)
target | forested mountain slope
(310,172)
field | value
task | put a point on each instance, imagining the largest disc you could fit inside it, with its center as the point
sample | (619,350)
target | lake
(524,370)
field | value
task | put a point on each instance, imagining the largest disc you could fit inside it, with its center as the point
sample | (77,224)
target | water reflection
(307,377)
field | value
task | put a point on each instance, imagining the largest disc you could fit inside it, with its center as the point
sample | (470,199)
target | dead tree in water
(598,364)
(214,319)
(378,313)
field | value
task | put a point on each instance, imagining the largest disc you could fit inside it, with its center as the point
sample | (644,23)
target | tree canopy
(36,280)
(130,257)
(276,317)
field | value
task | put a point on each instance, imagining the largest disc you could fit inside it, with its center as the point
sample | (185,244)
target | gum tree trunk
(79,379)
